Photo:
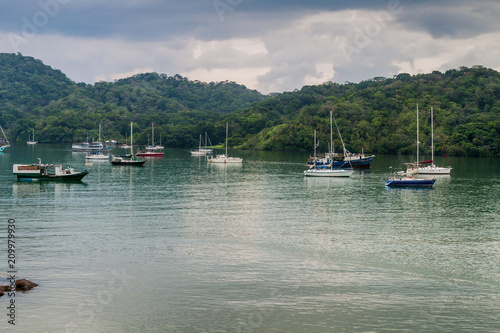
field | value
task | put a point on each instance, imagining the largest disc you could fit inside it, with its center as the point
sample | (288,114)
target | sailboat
(32,141)
(152,150)
(131,160)
(3,140)
(410,179)
(202,151)
(153,146)
(91,155)
(432,169)
(344,160)
(125,145)
(224,158)
(326,170)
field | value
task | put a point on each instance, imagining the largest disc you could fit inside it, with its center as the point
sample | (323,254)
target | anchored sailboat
(31,141)
(224,158)
(132,160)
(410,179)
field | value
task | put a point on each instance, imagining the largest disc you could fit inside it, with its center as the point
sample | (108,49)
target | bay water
(180,245)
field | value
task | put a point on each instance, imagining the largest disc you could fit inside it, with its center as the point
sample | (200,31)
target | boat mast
(153,134)
(131,144)
(331,134)
(5,136)
(315,144)
(343,145)
(432,135)
(417,140)
(227,128)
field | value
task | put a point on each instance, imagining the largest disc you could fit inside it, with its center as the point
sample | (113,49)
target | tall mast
(331,134)
(417,140)
(315,144)
(131,138)
(227,128)
(153,134)
(432,134)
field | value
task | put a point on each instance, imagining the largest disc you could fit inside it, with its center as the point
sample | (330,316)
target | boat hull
(328,173)
(410,182)
(42,177)
(434,170)
(150,154)
(120,161)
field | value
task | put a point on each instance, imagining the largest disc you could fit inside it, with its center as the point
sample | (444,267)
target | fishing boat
(325,170)
(3,140)
(31,141)
(223,158)
(38,172)
(411,179)
(202,151)
(131,159)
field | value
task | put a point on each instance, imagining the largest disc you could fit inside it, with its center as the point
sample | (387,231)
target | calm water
(182,246)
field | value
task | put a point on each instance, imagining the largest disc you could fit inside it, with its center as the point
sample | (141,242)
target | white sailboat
(128,160)
(97,155)
(326,170)
(224,158)
(32,141)
(432,169)
(202,151)
(3,140)
(411,178)
(153,146)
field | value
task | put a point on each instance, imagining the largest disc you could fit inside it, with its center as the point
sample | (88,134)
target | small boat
(344,160)
(93,146)
(31,141)
(96,156)
(149,153)
(130,160)
(410,182)
(153,147)
(3,140)
(431,168)
(411,178)
(37,172)
(325,170)
(223,158)
(202,151)
(151,150)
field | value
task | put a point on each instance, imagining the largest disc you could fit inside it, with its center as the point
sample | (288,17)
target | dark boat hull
(410,182)
(131,163)
(43,177)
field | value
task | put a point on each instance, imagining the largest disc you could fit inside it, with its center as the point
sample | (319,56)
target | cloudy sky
(271,46)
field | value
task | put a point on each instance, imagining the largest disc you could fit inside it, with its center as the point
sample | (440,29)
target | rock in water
(25,285)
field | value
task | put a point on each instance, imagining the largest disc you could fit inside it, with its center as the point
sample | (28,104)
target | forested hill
(377,115)
(33,95)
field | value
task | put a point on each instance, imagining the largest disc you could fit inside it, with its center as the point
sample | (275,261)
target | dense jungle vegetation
(377,115)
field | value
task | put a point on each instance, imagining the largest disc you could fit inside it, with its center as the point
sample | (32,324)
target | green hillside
(377,115)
